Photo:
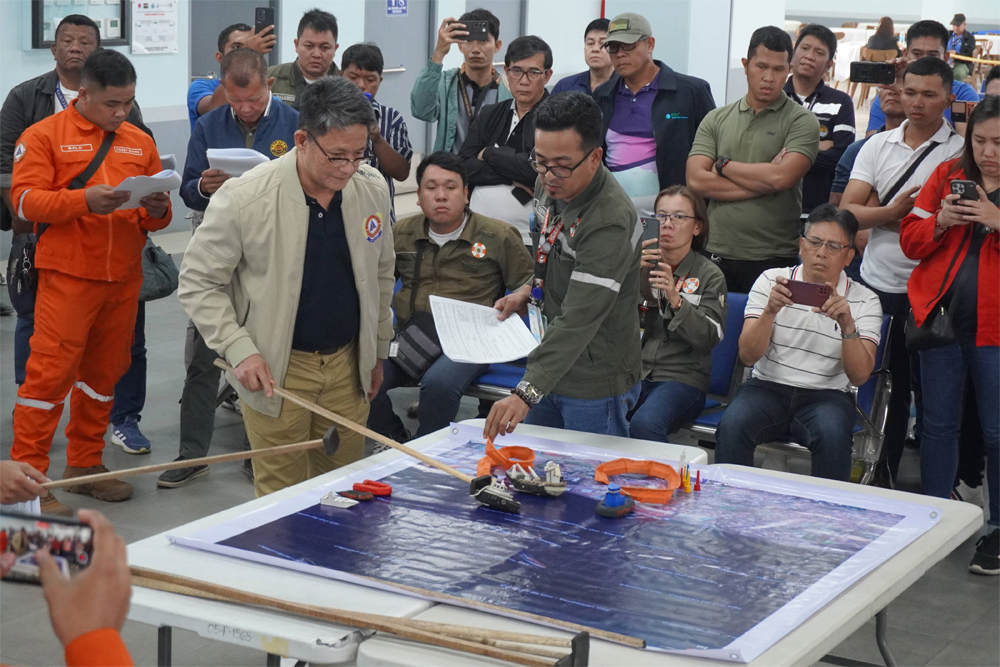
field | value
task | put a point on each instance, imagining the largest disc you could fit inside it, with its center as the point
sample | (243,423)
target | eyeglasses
(679,218)
(816,244)
(556,170)
(613,47)
(341,162)
(516,73)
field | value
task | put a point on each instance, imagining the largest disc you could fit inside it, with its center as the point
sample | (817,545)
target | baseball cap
(958,20)
(628,28)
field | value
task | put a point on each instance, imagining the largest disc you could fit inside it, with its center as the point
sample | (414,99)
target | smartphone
(875,73)
(808,294)
(650,230)
(965,190)
(477,32)
(262,18)
(70,542)
(960,111)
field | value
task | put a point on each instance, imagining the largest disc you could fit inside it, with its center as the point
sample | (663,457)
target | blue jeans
(441,390)
(664,407)
(130,391)
(943,371)
(820,419)
(605,416)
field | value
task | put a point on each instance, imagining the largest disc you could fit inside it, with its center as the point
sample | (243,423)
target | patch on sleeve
(20,151)
(278,148)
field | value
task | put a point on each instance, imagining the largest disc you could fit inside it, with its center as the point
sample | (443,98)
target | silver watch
(527,393)
(856,334)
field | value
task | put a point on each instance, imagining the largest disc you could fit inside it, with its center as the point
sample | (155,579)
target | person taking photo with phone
(805,357)
(686,322)
(952,232)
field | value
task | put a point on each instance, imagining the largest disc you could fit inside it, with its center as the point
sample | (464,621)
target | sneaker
(412,408)
(5,310)
(233,403)
(987,558)
(112,490)
(128,436)
(171,479)
(52,506)
(248,468)
(968,494)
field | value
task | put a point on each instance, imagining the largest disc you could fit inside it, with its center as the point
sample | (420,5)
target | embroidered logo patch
(128,151)
(675,116)
(690,285)
(373,227)
(478,250)
(77,148)
(19,152)
(278,148)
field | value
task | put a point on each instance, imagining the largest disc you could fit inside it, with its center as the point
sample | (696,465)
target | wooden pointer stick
(188,463)
(186,586)
(358,428)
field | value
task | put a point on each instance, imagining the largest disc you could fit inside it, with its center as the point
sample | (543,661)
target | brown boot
(111,490)
(50,505)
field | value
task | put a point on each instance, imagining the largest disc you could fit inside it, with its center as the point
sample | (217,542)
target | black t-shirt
(965,299)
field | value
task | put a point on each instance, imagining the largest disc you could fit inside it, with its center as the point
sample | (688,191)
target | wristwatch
(720,163)
(850,336)
(527,393)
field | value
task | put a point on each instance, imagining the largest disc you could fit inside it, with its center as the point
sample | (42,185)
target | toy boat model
(526,480)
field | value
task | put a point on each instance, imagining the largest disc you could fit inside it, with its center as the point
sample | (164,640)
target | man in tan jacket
(290,279)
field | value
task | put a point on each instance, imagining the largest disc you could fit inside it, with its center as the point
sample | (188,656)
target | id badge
(536,321)
(393,349)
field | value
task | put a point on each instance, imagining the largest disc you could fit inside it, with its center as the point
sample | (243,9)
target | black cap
(958,20)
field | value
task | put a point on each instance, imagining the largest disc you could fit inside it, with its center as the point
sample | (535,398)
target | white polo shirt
(805,347)
(880,163)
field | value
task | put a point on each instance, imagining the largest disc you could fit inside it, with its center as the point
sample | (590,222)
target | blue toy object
(615,504)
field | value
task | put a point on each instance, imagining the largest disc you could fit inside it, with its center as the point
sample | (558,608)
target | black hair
(333,103)
(572,111)
(773,39)
(930,66)
(107,68)
(318,21)
(928,28)
(229,30)
(366,56)
(597,24)
(987,109)
(823,34)
(830,213)
(447,161)
(241,66)
(992,75)
(525,47)
(492,22)
(82,21)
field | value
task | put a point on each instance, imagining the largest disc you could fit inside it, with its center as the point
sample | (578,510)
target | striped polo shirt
(805,347)
(393,129)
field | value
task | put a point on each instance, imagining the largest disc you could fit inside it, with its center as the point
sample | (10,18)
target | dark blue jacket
(218,129)
(681,103)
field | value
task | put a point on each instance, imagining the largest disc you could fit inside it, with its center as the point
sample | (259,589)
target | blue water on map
(693,574)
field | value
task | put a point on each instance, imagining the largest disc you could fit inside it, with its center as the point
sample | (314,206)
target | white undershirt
(441,239)
(68,95)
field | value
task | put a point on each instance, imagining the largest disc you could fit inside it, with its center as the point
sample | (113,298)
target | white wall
(350,22)
(747,16)
(566,42)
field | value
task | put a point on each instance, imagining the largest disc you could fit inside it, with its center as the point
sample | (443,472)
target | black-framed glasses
(679,218)
(517,73)
(556,170)
(338,161)
(614,47)
(817,243)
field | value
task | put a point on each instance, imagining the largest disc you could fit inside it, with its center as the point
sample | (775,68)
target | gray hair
(333,103)
(241,66)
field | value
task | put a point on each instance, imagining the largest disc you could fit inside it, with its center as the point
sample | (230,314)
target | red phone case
(808,294)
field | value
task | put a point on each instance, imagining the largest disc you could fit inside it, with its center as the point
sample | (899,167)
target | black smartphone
(650,230)
(960,112)
(874,73)
(70,542)
(262,18)
(965,190)
(477,32)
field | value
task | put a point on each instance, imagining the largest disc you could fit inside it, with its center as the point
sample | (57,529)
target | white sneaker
(968,494)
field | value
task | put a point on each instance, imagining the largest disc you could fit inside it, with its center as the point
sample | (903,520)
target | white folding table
(280,634)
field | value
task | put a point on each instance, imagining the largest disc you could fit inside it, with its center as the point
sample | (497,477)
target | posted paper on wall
(470,333)
(155,27)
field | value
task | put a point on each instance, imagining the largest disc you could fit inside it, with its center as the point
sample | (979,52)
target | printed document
(470,333)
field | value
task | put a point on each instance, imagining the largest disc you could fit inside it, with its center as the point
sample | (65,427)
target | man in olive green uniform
(584,375)
(315,48)
(451,252)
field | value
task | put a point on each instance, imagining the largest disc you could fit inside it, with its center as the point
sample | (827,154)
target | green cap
(628,28)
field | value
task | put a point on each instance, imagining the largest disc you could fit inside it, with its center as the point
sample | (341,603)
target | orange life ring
(648,468)
(504,457)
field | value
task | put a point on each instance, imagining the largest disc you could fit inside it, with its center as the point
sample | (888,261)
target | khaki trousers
(330,381)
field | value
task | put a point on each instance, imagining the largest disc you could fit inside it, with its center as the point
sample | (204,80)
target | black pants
(742,273)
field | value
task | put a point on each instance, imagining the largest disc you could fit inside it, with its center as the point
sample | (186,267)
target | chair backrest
(866,392)
(839,35)
(727,352)
(879,55)
(849,24)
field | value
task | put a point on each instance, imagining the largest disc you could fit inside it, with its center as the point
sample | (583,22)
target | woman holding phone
(953,230)
(686,320)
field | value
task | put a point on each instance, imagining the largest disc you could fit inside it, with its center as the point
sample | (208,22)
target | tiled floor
(949,617)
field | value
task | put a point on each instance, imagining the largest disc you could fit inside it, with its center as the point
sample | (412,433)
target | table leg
(881,626)
(273,660)
(164,645)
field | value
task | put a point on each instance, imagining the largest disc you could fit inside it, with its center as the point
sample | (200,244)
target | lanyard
(546,239)
(469,112)
(61,97)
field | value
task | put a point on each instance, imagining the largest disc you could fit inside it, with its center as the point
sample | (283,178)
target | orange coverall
(89,276)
